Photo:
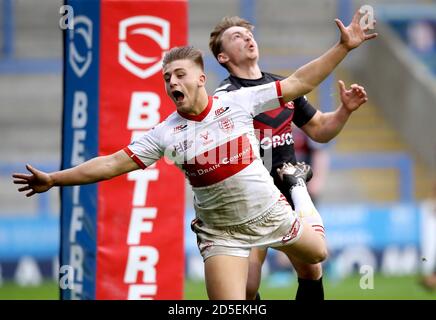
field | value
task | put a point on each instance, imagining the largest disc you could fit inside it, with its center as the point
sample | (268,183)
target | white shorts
(278,226)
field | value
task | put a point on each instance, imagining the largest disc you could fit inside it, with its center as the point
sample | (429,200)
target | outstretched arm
(325,126)
(306,78)
(94,170)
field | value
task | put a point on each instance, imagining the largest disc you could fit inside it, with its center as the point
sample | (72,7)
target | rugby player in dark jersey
(233,45)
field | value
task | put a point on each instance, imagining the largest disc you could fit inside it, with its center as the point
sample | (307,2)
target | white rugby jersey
(219,154)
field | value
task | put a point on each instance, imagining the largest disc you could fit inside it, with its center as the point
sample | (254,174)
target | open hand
(37,182)
(353,35)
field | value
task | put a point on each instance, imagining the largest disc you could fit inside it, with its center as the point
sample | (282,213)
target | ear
(202,80)
(222,58)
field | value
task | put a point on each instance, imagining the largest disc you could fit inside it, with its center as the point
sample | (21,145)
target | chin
(183,108)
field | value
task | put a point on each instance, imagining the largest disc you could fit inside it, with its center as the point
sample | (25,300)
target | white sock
(428,236)
(305,208)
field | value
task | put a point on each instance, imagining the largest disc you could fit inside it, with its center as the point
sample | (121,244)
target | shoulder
(223,89)
(168,123)
(272,76)
(225,86)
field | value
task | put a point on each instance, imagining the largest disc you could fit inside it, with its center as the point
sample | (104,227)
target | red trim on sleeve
(279,93)
(134,158)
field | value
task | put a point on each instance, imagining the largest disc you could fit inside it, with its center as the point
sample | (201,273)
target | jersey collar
(250,82)
(198,117)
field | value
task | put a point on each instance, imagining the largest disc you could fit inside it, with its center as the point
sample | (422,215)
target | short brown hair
(182,53)
(215,44)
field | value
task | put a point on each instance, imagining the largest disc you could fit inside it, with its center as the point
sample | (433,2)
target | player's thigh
(226,277)
(257,256)
(310,247)
(256,259)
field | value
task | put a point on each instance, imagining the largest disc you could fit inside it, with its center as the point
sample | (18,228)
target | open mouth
(178,95)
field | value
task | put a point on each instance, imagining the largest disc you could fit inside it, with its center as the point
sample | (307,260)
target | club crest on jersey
(180,128)
(226,125)
(205,137)
(220,111)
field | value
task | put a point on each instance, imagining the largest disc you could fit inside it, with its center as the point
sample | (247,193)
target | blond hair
(184,53)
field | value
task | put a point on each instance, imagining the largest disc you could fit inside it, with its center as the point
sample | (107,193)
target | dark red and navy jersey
(274,127)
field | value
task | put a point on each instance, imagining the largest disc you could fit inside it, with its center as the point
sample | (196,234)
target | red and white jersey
(219,154)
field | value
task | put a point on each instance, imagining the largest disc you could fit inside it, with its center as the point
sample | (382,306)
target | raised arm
(306,78)
(94,170)
(324,126)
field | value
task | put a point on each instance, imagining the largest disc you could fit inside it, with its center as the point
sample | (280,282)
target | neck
(246,71)
(201,100)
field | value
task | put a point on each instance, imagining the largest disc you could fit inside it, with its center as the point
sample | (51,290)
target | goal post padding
(121,238)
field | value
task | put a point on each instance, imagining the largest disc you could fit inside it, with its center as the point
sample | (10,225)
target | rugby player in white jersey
(235,48)
(237,204)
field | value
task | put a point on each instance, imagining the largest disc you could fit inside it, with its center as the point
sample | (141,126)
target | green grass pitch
(391,288)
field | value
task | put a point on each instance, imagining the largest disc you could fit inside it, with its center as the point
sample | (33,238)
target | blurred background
(377,180)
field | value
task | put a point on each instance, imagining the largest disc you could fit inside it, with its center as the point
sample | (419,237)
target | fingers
(21,176)
(282,169)
(365,17)
(359,91)
(21,181)
(340,25)
(26,180)
(356,17)
(341,85)
(280,173)
(31,193)
(24,188)
(30,168)
(356,86)
(370,36)
(370,25)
